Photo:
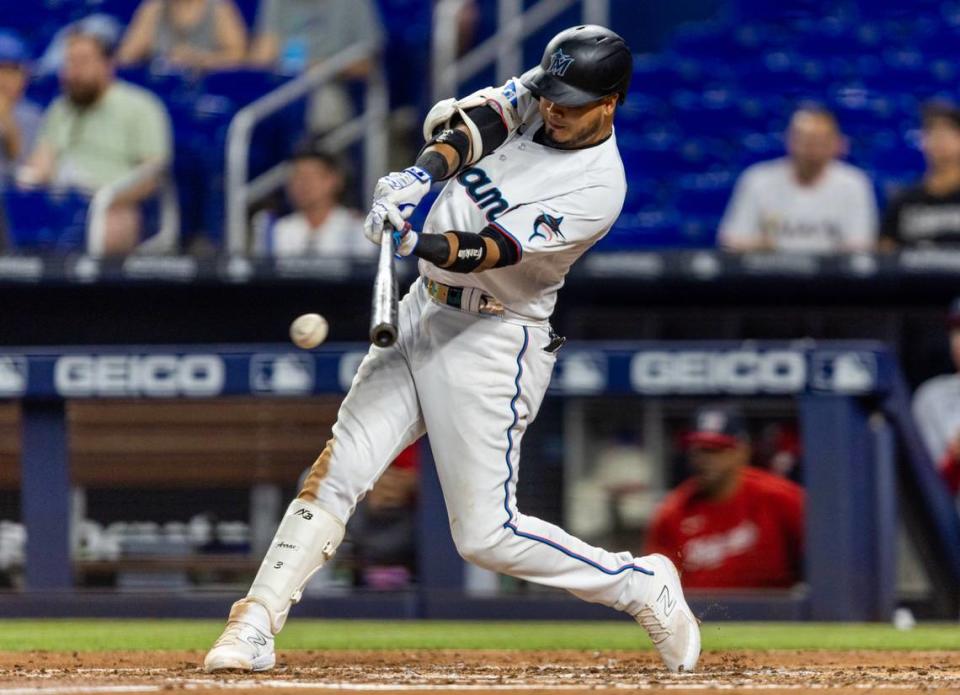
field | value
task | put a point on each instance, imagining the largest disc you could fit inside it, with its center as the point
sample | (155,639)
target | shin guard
(307,538)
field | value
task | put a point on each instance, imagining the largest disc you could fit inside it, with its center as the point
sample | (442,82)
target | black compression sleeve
(465,252)
(434,164)
(509,253)
(434,248)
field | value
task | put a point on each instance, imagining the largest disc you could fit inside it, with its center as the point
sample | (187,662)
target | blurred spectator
(291,35)
(384,529)
(930,211)
(730,525)
(936,410)
(106,28)
(192,34)
(380,545)
(320,224)
(98,131)
(807,201)
(19,118)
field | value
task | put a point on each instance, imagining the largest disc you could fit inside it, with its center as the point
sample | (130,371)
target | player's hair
(939,110)
(818,109)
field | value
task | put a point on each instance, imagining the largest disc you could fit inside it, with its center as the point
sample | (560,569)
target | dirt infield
(484,672)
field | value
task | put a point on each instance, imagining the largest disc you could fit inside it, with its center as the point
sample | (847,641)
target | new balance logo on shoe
(257,640)
(304,513)
(667,602)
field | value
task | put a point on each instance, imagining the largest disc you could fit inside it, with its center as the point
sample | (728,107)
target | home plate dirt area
(484,672)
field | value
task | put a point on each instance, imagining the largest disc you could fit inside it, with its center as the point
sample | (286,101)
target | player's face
(715,468)
(577,126)
(941,143)
(812,142)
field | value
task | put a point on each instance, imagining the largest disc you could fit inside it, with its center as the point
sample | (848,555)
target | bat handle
(383,320)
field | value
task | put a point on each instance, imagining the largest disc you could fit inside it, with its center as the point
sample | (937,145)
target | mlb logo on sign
(843,372)
(13,376)
(581,373)
(284,375)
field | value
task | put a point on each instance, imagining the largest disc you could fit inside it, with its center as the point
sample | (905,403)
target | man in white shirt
(319,225)
(808,201)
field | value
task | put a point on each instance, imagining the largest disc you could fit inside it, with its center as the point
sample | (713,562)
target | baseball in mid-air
(309,330)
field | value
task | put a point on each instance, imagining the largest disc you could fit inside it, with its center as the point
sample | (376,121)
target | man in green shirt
(98,131)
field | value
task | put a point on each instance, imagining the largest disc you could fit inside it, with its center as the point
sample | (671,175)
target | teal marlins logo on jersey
(550,225)
(483,193)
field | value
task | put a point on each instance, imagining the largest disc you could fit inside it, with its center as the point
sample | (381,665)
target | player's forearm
(466,252)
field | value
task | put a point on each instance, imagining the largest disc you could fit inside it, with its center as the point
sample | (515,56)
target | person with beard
(98,131)
(729,525)
(808,201)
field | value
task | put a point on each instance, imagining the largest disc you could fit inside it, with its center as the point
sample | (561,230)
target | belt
(465,298)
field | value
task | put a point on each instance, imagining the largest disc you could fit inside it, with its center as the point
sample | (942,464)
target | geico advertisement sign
(734,371)
(131,375)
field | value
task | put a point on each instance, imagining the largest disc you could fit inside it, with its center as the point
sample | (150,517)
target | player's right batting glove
(405,189)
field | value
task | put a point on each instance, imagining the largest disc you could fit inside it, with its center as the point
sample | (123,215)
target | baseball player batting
(534,179)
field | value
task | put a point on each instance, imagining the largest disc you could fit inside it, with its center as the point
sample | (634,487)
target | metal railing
(504,48)
(165,240)
(371,126)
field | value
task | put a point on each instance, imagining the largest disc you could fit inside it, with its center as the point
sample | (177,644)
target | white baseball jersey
(552,204)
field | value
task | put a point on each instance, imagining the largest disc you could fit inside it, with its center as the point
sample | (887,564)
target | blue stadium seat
(760,147)
(705,195)
(646,229)
(42,220)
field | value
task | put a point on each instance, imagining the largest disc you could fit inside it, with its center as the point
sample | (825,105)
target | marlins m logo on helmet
(560,62)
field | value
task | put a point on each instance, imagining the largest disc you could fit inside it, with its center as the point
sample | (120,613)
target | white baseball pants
(473,382)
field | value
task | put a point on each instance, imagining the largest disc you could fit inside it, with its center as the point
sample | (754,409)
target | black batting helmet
(580,65)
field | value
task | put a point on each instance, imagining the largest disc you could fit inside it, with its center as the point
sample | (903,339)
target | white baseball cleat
(243,646)
(668,619)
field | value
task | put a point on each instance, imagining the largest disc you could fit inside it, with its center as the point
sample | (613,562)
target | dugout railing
(859,449)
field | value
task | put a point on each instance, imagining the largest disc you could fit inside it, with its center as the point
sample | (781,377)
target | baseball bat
(383,316)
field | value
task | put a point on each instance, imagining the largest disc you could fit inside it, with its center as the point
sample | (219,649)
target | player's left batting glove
(385,216)
(405,189)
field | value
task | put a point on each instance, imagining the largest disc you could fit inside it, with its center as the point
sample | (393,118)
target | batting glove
(405,189)
(385,216)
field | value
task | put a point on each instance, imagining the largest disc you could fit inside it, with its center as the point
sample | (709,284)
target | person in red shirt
(729,525)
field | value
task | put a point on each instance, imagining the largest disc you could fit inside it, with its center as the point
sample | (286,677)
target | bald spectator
(929,213)
(729,525)
(807,201)
(97,132)
(936,410)
(192,34)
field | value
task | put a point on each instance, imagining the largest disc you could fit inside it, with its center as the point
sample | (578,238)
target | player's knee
(484,550)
